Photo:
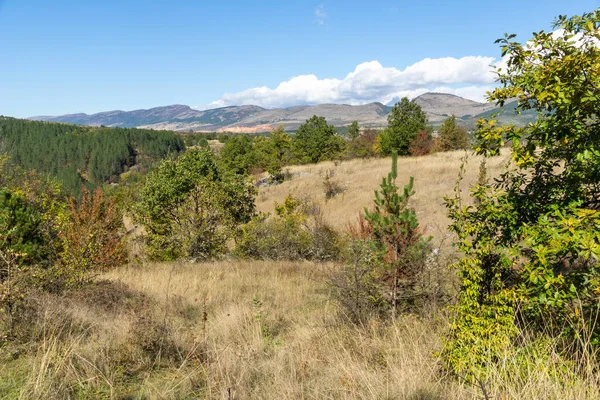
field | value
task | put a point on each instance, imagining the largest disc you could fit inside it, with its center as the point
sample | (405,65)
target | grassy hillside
(435,177)
(239,329)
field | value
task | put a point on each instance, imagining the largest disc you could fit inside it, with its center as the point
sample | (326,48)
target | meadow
(242,329)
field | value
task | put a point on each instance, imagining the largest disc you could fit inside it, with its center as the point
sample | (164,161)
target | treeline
(407,133)
(79,155)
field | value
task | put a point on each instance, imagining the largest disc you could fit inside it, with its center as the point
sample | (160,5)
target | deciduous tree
(404,122)
(532,238)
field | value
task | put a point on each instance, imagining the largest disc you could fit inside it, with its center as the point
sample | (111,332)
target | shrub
(91,237)
(331,186)
(530,241)
(357,287)
(362,146)
(452,136)
(20,227)
(190,207)
(422,144)
(273,153)
(238,154)
(296,232)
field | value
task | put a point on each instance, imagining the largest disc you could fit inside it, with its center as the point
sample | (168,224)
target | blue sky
(66,56)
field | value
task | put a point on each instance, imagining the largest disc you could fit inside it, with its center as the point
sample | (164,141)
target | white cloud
(468,77)
(320,14)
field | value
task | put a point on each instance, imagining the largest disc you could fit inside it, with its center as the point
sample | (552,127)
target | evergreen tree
(395,230)
(452,136)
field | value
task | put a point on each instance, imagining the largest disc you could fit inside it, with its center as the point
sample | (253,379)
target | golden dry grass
(271,331)
(261,329)
(435,177)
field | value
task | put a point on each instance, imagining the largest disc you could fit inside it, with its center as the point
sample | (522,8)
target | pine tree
(396,232)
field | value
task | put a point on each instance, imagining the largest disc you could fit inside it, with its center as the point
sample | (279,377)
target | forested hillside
(78,155)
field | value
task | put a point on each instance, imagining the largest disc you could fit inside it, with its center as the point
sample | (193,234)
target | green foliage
(405,120)
(195,139)
(353,131)
(190,206)
(273,153)
(357,287)
(395,230)
(296,232)
(238,154)
(531,240)
(317,141)
(20,227)
(77,155)
(385,264)
(452,136)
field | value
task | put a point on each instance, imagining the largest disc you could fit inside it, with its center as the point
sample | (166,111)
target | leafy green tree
(353,131)
(452,136)
(191,207)
(316,141)
(405,120)
(238,154)
(20,227)
(273,153)
(531,239)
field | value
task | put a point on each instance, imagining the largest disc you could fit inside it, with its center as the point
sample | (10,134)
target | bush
(273,153)
(190,207)
(357,286)
(422,144)
(530,241)
(362,146)
(238,154)
(91,237)
(296,232)
(20,227)
(331,186)
(452,136)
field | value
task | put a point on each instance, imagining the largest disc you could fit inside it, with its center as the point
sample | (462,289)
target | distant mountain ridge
(249,118)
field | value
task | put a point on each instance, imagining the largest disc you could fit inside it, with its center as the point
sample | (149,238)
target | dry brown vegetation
(261,329)
(240,330)
(435,177)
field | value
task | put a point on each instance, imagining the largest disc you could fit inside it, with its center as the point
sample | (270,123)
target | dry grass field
(236,329)
(243,330)
(435,177)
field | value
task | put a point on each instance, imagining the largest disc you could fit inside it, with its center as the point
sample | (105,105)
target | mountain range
(249,118)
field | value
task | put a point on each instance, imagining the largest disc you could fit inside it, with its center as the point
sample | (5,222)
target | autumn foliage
(90,234)
(421,145)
